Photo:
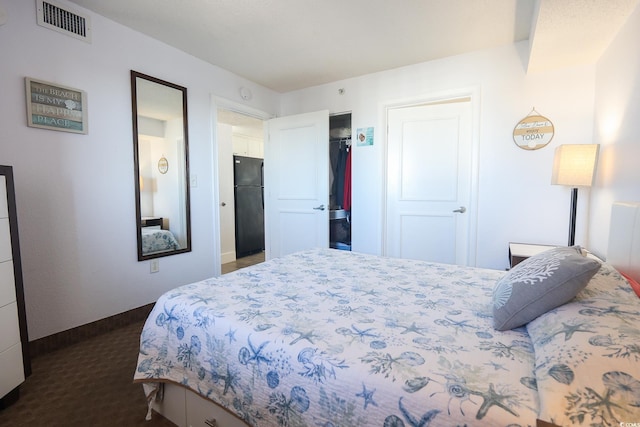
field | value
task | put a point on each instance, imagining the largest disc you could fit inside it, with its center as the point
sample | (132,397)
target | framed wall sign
(365,136)
(533,132)
(55,107)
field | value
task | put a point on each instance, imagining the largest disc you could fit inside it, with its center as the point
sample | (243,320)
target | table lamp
(574,166)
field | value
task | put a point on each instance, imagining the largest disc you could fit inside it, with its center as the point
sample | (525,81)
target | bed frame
(187,409)
(624,239)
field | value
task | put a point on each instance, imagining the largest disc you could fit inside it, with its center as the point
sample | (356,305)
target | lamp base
(572,216)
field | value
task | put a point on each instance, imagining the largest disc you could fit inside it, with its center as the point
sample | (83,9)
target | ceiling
(287,45)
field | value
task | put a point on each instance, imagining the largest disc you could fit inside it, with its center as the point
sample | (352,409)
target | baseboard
(71,336)
(227,257)
(10,398)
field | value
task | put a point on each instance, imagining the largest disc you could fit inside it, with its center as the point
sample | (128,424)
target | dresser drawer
(9,326)
(204,413)
(11,370)
(185,408)
(5,240)
(7,283)
(4,203)
(173,404)
(15,364)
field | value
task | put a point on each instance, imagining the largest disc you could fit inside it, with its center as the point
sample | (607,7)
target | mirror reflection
(161,166)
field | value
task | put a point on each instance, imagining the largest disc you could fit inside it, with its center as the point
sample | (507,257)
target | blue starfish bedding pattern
(587,355)
(334,338)
(156,240)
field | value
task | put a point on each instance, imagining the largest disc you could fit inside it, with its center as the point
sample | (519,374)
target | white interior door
(429,182)
(297,183)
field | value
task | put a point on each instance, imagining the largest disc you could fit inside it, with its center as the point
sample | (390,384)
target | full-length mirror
(161,165)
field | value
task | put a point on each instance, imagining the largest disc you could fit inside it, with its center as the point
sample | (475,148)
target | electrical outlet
(155,265)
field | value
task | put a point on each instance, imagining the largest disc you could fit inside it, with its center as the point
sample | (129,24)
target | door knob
(319,208)
(461,209)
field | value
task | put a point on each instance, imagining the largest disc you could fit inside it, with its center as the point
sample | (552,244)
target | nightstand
(518,252)
(151,221)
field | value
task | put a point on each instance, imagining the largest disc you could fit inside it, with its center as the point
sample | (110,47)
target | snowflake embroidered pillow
(539,284)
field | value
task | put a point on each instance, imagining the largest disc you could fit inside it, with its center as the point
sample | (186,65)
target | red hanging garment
(346,202)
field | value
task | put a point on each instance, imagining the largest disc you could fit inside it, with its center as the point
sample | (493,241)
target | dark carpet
(85,384)
(90,384)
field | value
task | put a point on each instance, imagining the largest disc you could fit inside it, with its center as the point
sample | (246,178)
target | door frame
(471,92)
(216,103)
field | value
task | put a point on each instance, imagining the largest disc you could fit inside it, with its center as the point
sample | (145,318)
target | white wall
(168,197)
(148,180)
(75,193)
(617,129)
(515,200)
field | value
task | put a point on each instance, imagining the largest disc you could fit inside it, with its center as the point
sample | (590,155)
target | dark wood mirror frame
(160,223)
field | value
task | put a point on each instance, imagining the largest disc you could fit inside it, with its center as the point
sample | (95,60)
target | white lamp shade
(574,165)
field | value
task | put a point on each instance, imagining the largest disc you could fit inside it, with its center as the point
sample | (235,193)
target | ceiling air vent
(64,20)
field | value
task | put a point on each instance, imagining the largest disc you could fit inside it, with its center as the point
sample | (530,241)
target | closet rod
(347,141)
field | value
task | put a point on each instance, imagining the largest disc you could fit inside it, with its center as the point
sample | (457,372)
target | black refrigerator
(249,200)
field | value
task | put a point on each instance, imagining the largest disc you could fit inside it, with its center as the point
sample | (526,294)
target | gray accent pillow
(539,284)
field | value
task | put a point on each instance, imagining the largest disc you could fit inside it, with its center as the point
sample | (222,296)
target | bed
(155,240)
(334,338)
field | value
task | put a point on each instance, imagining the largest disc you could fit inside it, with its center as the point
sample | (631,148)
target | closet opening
(340,181)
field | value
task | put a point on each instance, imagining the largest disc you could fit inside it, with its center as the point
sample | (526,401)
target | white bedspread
(329,338)
(157,240)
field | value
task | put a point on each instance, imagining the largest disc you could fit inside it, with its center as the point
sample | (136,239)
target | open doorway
(240,158)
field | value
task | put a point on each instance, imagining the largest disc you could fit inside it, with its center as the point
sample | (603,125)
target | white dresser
(14,361)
